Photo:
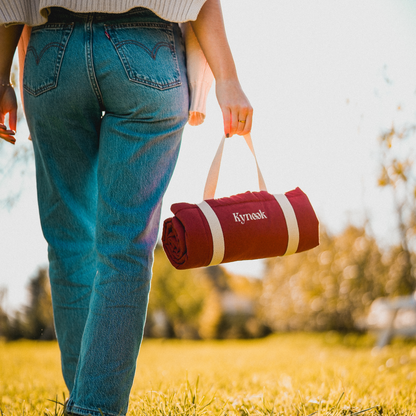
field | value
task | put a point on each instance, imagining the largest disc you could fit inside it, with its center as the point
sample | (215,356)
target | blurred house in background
(391,317)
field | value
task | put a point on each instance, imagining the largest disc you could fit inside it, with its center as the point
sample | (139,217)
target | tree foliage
(34,321)
(327,288)
(4,318)
(176,300)
(205,303)
(398,174)
(38,315)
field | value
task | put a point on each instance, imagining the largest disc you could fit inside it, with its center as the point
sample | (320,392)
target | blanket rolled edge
(187,238)
(308,222)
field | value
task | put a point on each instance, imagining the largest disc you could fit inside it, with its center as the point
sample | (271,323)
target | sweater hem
(180,11)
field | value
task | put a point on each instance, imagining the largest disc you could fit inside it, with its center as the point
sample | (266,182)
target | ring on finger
(241,121)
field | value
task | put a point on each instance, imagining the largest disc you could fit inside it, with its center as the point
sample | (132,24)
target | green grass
(290,374)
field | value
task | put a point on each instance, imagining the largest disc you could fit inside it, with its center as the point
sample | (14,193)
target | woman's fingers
(226,115)
(7,134)
(242,118)
(8,105)
(13,119)
(244,122)
(236,109)
(237,120)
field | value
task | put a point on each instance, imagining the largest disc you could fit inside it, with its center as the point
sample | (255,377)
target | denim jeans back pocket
(44,57)
(147,52)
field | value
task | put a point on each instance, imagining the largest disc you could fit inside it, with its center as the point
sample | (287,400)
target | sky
(325,79)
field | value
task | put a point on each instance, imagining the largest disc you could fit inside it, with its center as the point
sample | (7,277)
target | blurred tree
(203,303)
(4,319)
(176,300)
(16,327)
(37,318)
(231,308)
(34,321)
(398,173)
(327,288)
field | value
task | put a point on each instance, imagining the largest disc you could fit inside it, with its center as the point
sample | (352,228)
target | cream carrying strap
(212,219)
(214,171)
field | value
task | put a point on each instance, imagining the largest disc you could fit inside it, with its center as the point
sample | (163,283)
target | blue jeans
(106,99)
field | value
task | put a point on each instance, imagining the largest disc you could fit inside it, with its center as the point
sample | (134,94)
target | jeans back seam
(90,60)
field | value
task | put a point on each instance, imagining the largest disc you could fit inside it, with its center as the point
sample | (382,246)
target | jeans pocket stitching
(152,53)
(130,72)
(61,47)
(39,57)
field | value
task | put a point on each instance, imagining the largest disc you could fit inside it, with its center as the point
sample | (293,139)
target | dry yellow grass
(291,374)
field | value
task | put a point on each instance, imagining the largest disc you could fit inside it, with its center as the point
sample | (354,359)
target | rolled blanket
(246,226)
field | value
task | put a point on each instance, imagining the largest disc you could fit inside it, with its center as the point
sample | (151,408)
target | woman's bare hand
(235,106)
(210,32)
(9,37)
(8,105)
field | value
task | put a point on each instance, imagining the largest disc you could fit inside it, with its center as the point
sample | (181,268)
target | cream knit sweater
(36,12)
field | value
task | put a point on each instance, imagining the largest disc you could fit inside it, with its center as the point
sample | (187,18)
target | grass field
(287,374)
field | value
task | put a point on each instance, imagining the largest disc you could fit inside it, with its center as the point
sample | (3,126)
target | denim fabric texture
(106,100)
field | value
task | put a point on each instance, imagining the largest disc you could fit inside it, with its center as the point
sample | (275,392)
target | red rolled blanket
(253,226)
(246,226)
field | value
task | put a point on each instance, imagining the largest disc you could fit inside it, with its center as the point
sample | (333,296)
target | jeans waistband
(61,15)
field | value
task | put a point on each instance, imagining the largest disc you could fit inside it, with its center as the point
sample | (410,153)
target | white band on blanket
(291,222)
(218,245)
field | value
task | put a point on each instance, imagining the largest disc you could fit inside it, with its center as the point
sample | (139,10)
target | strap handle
(214,171)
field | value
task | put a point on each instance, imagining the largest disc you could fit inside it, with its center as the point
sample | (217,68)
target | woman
(106,100)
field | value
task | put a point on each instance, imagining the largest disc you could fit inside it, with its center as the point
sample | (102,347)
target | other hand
(8,105)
